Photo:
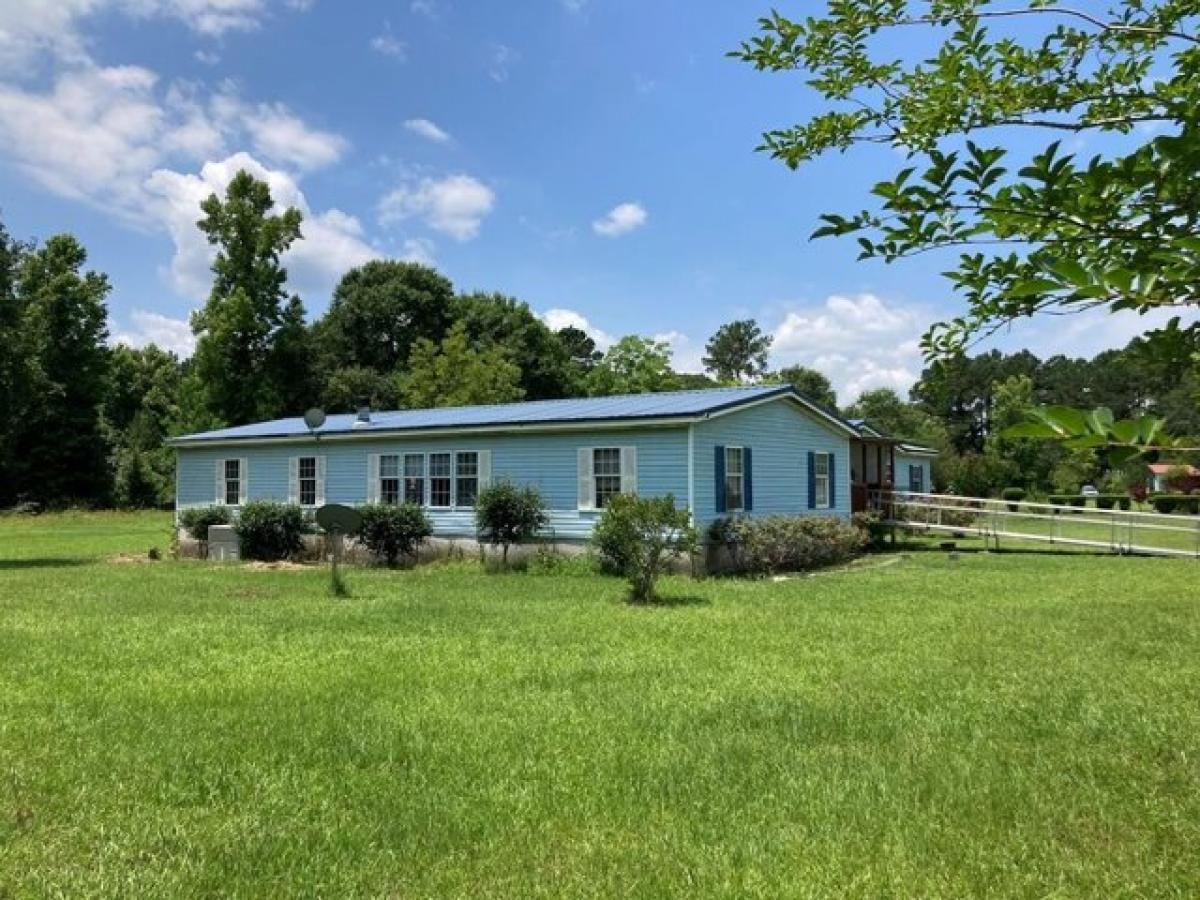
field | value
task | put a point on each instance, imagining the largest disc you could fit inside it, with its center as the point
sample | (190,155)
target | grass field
(1018,725)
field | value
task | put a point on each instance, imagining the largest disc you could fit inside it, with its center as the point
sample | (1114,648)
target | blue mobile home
(752,451)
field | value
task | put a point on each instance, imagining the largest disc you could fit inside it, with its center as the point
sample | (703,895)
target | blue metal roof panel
(672,404)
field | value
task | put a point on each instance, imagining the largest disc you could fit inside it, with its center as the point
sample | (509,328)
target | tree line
(85,422)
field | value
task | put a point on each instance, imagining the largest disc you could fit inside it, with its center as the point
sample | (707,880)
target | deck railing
(1115,530)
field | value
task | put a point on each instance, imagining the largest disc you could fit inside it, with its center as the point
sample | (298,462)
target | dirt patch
(281,566)
(126,558)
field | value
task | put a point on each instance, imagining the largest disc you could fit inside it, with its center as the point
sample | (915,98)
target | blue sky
(593,157)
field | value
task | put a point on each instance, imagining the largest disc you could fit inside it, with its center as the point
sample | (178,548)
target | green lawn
(1022,725)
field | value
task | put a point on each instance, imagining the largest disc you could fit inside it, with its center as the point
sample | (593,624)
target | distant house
(726,451)
(879,461)
(1169,477)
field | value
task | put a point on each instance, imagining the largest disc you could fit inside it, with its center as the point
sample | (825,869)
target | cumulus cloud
(455,205)
(859,342)
(333,240)
(427,129)
(418,250)
(557,319)
(154,328)
(621,219)
(686,354)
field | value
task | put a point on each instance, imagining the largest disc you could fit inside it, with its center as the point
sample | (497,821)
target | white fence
(1115,530)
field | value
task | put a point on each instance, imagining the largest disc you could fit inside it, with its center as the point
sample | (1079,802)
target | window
(467,478)
(389,478)
(606,470)
(307,470)
(821,479)
(916,479)
(735,479)
(233,482)
(414,478)
(439,479)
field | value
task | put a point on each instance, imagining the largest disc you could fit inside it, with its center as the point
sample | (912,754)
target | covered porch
(872,468)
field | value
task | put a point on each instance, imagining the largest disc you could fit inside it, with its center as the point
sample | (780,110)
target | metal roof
(533,414)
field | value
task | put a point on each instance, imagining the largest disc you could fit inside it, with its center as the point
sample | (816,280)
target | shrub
(270,531)
(391,531)
(638,536)
(792,543)
(870,525)
(1014,496)
(506,514)
(196,522)
(1111,501)
(1169,503)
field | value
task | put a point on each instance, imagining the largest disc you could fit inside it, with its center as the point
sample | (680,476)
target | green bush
(639,536)
(390,531)
(763,546)
(1075,500)
(870,525)
(506,514)
(1014,496)
(1112,501)
(271,531)
(1188,504)
(196,520)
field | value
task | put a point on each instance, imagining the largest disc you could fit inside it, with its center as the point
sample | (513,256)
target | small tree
(391,532)
(639,535)
(506,514)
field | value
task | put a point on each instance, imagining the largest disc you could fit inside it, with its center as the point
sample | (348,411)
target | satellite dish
(338,519)
(314,418)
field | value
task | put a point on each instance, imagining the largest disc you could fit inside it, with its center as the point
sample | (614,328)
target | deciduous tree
(738,351)
(453,373)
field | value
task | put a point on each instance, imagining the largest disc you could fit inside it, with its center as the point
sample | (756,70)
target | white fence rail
(1115,530)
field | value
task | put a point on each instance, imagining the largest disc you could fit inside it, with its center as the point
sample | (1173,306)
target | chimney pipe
(363,417)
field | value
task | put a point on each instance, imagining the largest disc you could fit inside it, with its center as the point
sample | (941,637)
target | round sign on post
(337,521)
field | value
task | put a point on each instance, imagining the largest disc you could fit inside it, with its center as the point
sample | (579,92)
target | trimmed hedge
(1188,504)
(1110,501)
(1014,496)
(1076,500)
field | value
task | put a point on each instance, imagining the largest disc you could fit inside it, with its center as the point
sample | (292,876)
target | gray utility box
(222,542)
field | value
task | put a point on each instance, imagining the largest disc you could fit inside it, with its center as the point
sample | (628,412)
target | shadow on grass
(43,562)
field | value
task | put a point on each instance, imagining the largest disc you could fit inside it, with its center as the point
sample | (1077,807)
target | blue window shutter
(747,480)
(832,482)
(719,487)
(812,480)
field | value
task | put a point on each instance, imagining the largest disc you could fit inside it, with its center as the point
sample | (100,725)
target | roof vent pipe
(363,417)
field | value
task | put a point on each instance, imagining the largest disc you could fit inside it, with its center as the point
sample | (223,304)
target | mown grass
(1006,724)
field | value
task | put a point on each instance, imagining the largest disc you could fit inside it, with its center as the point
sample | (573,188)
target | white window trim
(479,482)
(377,478)
(295,494)
(819,501)
(741,507)
(222,483)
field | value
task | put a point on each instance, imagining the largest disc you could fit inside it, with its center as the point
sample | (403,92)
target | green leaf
(1029,430)
(1065,419)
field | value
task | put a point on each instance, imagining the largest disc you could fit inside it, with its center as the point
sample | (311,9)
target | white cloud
(281,136)
(686,354)
(557,319)
(29,28)
(418,250)
(427,8)
(573,6)
(207,57)
(388,44)
(859,343)
(427,129)
(621,219)
(455,205)
(333,240)
(154,328)
(501,59)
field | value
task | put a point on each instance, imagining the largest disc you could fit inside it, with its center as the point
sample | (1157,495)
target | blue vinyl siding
(903,461)
(781,435)
(546,460)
